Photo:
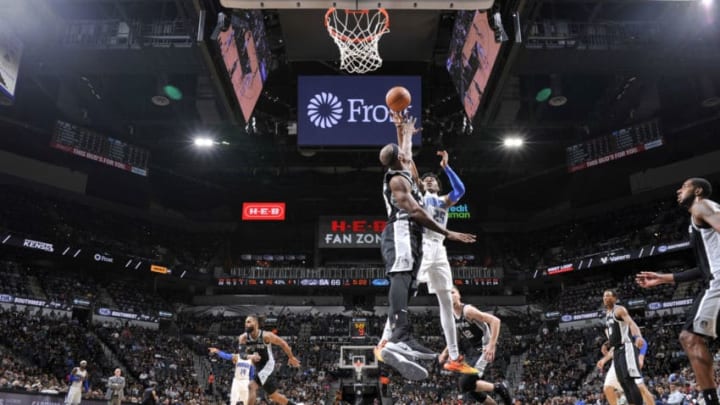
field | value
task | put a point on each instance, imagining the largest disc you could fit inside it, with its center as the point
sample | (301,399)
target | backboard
(361,4)
(349,355)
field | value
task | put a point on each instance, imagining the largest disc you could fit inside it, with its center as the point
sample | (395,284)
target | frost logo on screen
(324,110)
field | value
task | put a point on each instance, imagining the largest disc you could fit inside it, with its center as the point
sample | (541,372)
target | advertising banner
(616,256)
(350,110)
(18,398)
(350,231)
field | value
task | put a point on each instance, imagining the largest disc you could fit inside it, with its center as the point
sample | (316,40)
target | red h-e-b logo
(263,211)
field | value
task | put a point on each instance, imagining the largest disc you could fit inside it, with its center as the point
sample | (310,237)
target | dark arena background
(169,167)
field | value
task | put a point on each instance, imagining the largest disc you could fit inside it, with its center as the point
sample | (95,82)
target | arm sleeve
(458,188)
(86,384)
(224,356)
(74,377)
(687,275)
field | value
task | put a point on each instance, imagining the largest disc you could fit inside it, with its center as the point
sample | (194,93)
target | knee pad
(467,383)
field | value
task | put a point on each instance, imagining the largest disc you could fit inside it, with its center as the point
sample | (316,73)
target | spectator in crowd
(115,388)
(150,395)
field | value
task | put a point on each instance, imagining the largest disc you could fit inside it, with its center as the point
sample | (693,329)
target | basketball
(398,98)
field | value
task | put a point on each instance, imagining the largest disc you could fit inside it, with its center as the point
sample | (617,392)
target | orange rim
(345,38)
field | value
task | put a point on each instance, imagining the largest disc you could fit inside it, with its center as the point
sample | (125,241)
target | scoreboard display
(85,143)
(358,328)
(616,145)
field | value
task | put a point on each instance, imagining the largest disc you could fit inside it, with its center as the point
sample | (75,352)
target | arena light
(706,3)
(203,142)
(513,142)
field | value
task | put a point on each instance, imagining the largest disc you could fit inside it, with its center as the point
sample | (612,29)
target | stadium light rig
(513,142)
(203,142)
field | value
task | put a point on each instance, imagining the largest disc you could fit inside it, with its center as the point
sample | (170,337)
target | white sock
(447,320)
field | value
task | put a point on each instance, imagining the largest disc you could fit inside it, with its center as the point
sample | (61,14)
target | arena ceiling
(649,61)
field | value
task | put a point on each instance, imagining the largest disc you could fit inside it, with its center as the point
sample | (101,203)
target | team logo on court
(324,110)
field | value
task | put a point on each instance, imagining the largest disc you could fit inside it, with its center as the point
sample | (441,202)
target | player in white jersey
(702,321)
(435,268)
(78,384)
(244,374)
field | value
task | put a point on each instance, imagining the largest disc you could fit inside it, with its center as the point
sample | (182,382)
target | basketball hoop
(357,33)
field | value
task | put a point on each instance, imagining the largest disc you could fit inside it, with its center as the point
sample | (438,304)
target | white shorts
(435,267)
(612,381)
(74,395)
(240,392)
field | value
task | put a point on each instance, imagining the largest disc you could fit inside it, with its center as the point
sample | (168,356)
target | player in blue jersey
(240,393)
(79,383)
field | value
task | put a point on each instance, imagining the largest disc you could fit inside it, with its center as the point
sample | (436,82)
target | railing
(595,36)
(344,272)
(118,34)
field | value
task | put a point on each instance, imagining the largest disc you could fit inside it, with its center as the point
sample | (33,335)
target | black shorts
(401,246)
(625,361)
(269,387)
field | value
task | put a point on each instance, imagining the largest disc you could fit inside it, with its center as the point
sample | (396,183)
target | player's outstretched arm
(280,342)
(648,279)
(473,313)
(458,188)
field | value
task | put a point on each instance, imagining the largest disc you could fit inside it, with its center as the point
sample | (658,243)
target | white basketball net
(358,366)
(357,33)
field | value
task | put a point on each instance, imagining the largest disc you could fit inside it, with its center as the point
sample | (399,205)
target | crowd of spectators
(154,356)
(558,365)
(65,287)
(83,224)
(14,280)
(658,222)
(129,295)
(38,351)
(52,343)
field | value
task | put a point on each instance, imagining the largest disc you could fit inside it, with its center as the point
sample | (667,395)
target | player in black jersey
(623,337)
(702,320)
(401,246)
(258,347)
(477,340)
